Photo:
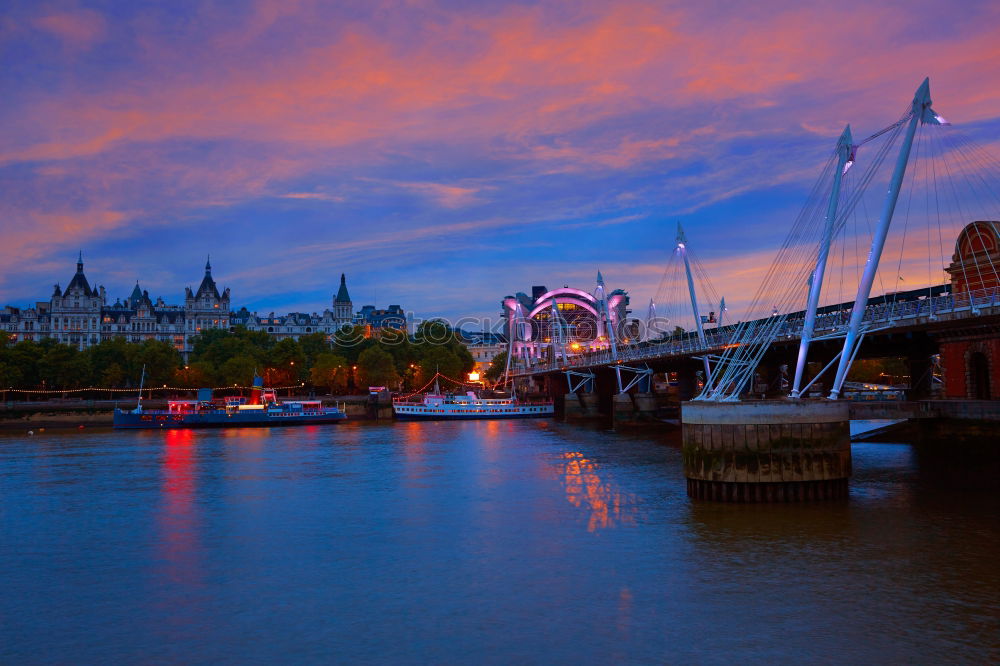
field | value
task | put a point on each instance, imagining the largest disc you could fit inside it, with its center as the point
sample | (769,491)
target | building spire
(208,264)
(79,262)
(342,295)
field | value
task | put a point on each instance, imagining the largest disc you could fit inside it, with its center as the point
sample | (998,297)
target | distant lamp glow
(680,245)
(575,346)
(941,121)
(473,376)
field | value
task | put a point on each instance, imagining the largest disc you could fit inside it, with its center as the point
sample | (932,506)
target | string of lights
(431,381)
(149,390)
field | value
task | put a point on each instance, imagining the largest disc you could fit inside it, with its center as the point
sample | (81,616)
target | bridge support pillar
(766,451)
(581,406)
(634,409)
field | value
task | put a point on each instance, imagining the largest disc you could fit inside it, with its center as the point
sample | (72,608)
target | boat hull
(468,417)
(154,421)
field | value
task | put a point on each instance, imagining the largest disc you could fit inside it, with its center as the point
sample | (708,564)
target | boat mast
(142,380)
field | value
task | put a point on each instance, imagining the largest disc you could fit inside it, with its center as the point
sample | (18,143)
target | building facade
(971,358)
(564,321)
(81,316)
(484,347)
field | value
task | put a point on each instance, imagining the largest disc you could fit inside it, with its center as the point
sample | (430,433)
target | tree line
(348,363)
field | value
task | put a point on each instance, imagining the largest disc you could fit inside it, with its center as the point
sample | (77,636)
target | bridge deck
(925,313)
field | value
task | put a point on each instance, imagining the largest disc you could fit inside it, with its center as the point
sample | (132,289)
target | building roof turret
(208,286)
(342,295)
(136,295)
(79,280)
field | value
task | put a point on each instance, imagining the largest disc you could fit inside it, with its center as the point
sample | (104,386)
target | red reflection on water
(178,542)
(584,489)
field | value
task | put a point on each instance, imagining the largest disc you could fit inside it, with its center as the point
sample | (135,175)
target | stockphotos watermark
(441,330)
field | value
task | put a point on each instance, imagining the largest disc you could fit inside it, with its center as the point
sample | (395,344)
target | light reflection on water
(585,490)
(490,541)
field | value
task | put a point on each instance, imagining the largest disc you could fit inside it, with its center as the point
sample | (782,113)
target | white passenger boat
(438,406)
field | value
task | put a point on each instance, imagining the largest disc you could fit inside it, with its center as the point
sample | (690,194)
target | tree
(376,368)
(238,370)
(161,360)
(331,371)
(285,362)
(10,373)
(440,359)
(218,346)
(350,341)
(198,374)
(312,346)
(113,352)
(111,376)
(26,358)
(62,366)
(497,366)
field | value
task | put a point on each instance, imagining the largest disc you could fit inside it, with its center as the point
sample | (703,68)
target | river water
(476,542)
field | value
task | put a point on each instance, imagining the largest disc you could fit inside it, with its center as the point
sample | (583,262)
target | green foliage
(312,346)
(223,358)
(438,358)
(238,370)
(161,360)
(331,371)
(497,366)
(63,367)
(376,367)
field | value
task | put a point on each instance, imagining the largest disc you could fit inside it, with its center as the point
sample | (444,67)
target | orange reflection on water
(414,440)
(584,489)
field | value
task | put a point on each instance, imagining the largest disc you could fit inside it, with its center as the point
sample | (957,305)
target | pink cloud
(551,95)
(79,29)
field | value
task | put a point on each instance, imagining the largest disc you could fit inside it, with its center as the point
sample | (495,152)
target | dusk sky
(443,154)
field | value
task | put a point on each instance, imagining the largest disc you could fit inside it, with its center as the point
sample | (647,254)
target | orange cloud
(284,90)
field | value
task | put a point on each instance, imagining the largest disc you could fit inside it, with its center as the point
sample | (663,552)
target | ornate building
(566,318)
(80,316)
(296,324)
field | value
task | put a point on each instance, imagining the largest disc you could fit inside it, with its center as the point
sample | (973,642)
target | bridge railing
(831,323)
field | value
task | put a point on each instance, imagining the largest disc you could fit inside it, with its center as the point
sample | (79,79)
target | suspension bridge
(947,186)
(894,253)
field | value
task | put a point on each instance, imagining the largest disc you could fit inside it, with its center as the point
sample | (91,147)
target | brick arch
(980,347)
(977,257)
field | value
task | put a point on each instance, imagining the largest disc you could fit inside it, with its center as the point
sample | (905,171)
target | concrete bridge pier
(634,409)
(581,406)
(766,451)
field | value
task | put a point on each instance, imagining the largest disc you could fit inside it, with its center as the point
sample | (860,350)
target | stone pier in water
(766,451)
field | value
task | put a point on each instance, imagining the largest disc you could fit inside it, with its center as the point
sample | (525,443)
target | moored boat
(262,409)
(438,406)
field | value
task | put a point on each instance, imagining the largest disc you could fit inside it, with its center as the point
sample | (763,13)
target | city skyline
(442,155)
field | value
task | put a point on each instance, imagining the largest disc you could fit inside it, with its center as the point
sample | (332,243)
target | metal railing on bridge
(877,317)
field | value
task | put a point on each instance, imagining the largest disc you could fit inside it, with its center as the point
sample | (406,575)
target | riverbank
(61,413)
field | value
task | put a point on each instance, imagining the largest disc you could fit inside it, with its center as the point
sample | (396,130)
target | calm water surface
(499,542)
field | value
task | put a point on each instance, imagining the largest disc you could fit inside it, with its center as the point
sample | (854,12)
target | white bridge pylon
(806,254)
(920,113)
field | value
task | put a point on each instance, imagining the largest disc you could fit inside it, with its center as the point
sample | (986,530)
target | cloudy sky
(443,154)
